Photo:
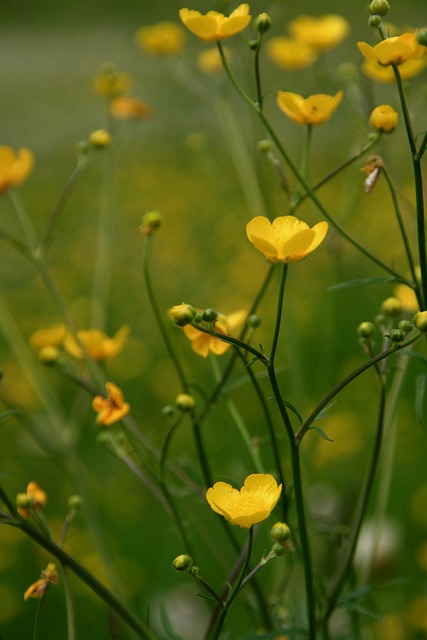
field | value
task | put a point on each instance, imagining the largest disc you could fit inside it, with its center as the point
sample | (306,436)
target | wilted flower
(315,109)
(161,39)
(96,343)
(14,167)
(38,588)
(322,33)
(395,50)
(286,239)
(214,26)
(203,343)
(129,108)
(110,409)
(291,54)
(384,118)
(110,82)
(253,503)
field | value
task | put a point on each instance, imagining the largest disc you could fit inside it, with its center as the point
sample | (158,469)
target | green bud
(198,317)
(253,321)
(372,137)
(23,500)
(168,410)
(185,402)
(182,314)
(420,321)
(391,307)
(209,315)
(406,326)
(278,549)
(396,335)
(379,7)
(183,563)
(150,222)
(195,572)
(262,23)
(253,45)
(74,502)
(422,37)
(366,330)
(83,147)
(264,146)
(380,320)
(374,21)
(280,532)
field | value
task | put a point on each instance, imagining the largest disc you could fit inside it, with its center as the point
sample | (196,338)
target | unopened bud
(391,307)
(280,532)
(182,314)
(185,402)
(379,7)
(100,138)
(150,221)
(48,355)
(262,23)
(396,335)
(253,45)
(420,321)
(366,330)
(74,503)
(406,326)
(209,315)
(183,563)
(422,37)
(253,321)
(374,21)
(264,146)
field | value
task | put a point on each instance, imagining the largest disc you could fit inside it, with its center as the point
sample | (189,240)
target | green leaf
(322,434)
(361,282)
(420,392)
(291,407)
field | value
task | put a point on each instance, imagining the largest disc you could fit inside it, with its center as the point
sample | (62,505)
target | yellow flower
(110,83)
(100,138)
(291,54)
(407,70)
(407,297)
(97,344)
(384,118)
(315,109)
(395,50)
(214,26)
(38,588)
(209,60)
(110,409)
(162,39)
(286,239)
(253,503)
(322,33)
(49,337)
(129,108)
(202,343)
(14,167)
(34,498)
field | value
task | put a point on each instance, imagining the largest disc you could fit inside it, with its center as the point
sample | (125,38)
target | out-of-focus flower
(38,588)
(110,409)
(209,60)
(161,39)
(100,138)
(286,239)
(34,498)
(322,33)
(129,108)
(253,503)
(214,26)
(14,167)
(384,118)
(97,344)
(407,297)
(48,337)
(395,50)
(110,83)
(291,54)
(379,73)
(151,220)
(315,109)
(203,344)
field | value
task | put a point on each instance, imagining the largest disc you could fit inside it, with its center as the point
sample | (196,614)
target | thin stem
(257,72)
(279,312)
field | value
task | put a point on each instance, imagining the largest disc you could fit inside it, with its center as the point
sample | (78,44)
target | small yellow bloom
(129,108)
(203,344)
(384,118)
(214,26)
(209,60)
(34,498)
(315,109)
(48,337)
(38,589)
(14,167)
(110,409)
(97,344)
(110,83)
(100,138)
(379,73)
(161,39)
(286,239)
(253,503)
(291,54)
(395,50)
(322,33)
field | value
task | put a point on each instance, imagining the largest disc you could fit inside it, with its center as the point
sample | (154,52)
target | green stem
(257,72)
(279,313)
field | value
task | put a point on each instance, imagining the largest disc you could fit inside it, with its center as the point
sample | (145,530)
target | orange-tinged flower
(214,26)
(286,239)
(395,50)
(129,108)
(315,109)
(203,344)
(291,54)
(14,167)
(112,408)
(38,588)
(322,33)
(110,82)
(253,503)
(34,498)
(161,39)
(384,118)
(379,73)
(48,337)
(97,344)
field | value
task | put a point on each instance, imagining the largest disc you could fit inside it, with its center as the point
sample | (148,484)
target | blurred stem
(37,617)
(303,167)
(257,71)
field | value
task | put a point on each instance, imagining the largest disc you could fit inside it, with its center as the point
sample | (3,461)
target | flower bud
(150,221)
(366,330)
(280,532)
(420,321)
(253,321)
(100,138)
(396,335)
(391,307)
(406,326)
(384,118)
(83,147)
(182,314)
(195,572)
(278,549)
(168,410)
(262,23)
(209,315)
(198,317)
(422,37)
(74,503)
(183,563)
(374,21)
(185,402)
(48,355)
(379,7)
(23,501)
(264,146)
(253,45)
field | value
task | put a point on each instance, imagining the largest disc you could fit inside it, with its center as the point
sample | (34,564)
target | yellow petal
(292,105)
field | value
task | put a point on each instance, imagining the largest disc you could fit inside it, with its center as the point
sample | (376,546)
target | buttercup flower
(38,589)
(129,108)
(48,337)
(315,109)
(203,344)
(286,239)
(395,50)
(214,26)
(34,498)
(110,82)
(97,344)
(162,39)
(110,409)
(253,503)
(14,167)
(384,118)
(291,54)
(322,33)
(379,73)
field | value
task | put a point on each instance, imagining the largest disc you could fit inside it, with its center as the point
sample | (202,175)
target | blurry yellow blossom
(384,118)
(395,50)
(182,314)
(322,33)
(34,498)
(379,73)
(97,344)
(202,343)
(291,54)
(110,409)
(286,239)
(100,138)
(49,337)
(38,589)
(209,60)
(417,614)
(214,26)
(406,294)
(161,39)
(253,503)
(129,108)
(14,167)
(110,82)
(315,109)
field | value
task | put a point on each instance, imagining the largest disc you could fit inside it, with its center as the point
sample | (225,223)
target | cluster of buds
(281,535)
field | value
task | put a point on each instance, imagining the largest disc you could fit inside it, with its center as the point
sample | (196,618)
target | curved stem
(279,312)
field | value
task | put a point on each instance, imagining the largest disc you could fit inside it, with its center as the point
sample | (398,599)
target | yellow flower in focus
(203,344)
(395,50)
(379,73)
(110,409)
(129,108)
(214,26)
(49,337)
(384,118)
(14,167)
(253,503)
(291,54)
(162,39)
(97,344)
(209,60)
(34,498)
(315,109)
(38,588)
(110,83)
(286,239)
(322,33)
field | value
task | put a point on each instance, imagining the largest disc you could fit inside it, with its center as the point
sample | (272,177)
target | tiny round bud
(253,321)
(195,572)
(48,355)
(406,326)
(280,532)
(379,7)
(168,410)
(380,319)
(23,500)
(183,563)
(198,317)
(396,335)
(391,307)
(262,23)
(253,45)
(185,402)
(278,549)
(372,137)
(150,222)
(422,37)
(100,138)
(74,502)
(366,330)
(264,146)
(374,21)
(182,314)
(103,437)
(209,315)
(384,118)
(420,321)
(83,147)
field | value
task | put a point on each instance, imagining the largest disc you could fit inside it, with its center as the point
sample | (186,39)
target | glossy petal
(110,409)
(14,167)
(214,26)
(315,109)
(395,50)
(322,33)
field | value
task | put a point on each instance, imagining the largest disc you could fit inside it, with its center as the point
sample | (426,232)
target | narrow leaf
(420,392)
(322,434)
